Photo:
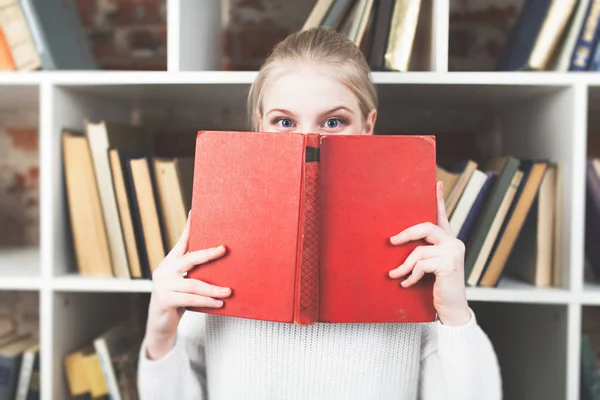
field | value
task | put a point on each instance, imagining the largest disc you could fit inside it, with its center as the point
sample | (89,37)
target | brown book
(124,207)
(143,184)
(77,379)
(85,211)
(448,179)
(514,224)
(174,182)
(402,34)
(533,258)
(103,136)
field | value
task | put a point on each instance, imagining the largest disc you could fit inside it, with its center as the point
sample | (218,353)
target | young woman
(317,81)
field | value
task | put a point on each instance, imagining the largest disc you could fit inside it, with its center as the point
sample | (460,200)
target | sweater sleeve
(459,362)
(181,373)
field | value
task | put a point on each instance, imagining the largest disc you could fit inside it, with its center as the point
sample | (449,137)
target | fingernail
(224,290)
(404,282)
(219,303)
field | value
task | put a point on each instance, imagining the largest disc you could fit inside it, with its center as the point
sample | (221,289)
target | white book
(467,199)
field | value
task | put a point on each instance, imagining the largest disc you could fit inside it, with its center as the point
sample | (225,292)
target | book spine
(306,307)
(584,46)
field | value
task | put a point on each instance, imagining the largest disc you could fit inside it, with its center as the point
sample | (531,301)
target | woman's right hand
(172,293)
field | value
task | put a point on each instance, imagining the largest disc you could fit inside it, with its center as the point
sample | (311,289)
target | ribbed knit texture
(249,359)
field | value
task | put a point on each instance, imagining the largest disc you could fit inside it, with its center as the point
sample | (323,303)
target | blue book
(519,45)
(584,47)
(467,229)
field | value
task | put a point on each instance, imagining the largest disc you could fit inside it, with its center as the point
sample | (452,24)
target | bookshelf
(536,331)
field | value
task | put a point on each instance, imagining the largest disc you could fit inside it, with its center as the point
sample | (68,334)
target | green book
(506,169)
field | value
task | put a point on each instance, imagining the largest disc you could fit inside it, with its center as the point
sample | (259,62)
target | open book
(307,221)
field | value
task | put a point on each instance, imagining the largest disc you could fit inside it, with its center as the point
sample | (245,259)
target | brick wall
(132,34)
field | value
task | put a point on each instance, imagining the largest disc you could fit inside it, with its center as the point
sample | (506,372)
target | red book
(307,219)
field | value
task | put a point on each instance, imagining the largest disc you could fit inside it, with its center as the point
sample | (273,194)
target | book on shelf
(307,220)
(19,368)
(45,34)
(592,215)
(550,35)
(105,367)
(127,205)
(506,216)
(385,30)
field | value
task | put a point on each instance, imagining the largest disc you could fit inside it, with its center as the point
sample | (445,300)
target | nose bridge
(307,125)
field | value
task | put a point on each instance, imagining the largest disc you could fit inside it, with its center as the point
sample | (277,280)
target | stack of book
(554,36)
(504,212)
(385,30)
(106,367)
(20,367)
(127,206)
(42,34)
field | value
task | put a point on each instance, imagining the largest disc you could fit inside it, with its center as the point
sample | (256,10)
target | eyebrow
(337,108)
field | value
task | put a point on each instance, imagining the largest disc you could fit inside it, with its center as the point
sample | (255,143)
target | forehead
(305,90)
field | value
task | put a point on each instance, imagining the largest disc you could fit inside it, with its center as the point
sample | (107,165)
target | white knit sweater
(225,358)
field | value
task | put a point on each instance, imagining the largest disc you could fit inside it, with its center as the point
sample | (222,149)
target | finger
(181,246)
(419,253)
(177,300)
(195,286)
(190,260)
(418,272)
(428,231)
(442,217)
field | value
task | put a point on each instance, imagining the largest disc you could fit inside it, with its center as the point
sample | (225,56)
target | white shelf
(246,77)
(75,283)
(513,291)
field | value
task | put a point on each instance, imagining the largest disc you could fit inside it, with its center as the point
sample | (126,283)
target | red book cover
(307,219)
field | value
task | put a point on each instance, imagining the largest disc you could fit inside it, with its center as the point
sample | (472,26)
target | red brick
(104,48)
(23,138)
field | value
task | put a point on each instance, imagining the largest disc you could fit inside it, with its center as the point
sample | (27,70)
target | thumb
(442,218)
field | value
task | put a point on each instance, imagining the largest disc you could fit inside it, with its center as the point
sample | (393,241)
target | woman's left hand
(445,259)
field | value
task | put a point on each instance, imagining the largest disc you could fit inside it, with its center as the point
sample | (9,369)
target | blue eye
(333,123)
(285,123)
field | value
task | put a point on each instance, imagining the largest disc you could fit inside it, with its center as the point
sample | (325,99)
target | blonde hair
(317,47)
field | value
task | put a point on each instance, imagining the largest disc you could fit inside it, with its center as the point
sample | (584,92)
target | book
(18,36)
(7,63)
(533,173)
(402,34)
(11,356)
(102,136)
(307,221)
(143,180)
(117,348)
(383,19)
(590,377)
(467,200)
(59,37)
(336,14)
(534,257)
(174,180)
(127,209)
(317,14)
(563,57)
(90,239)
(28,387)
(489,223)
(588,34)
(464,170)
